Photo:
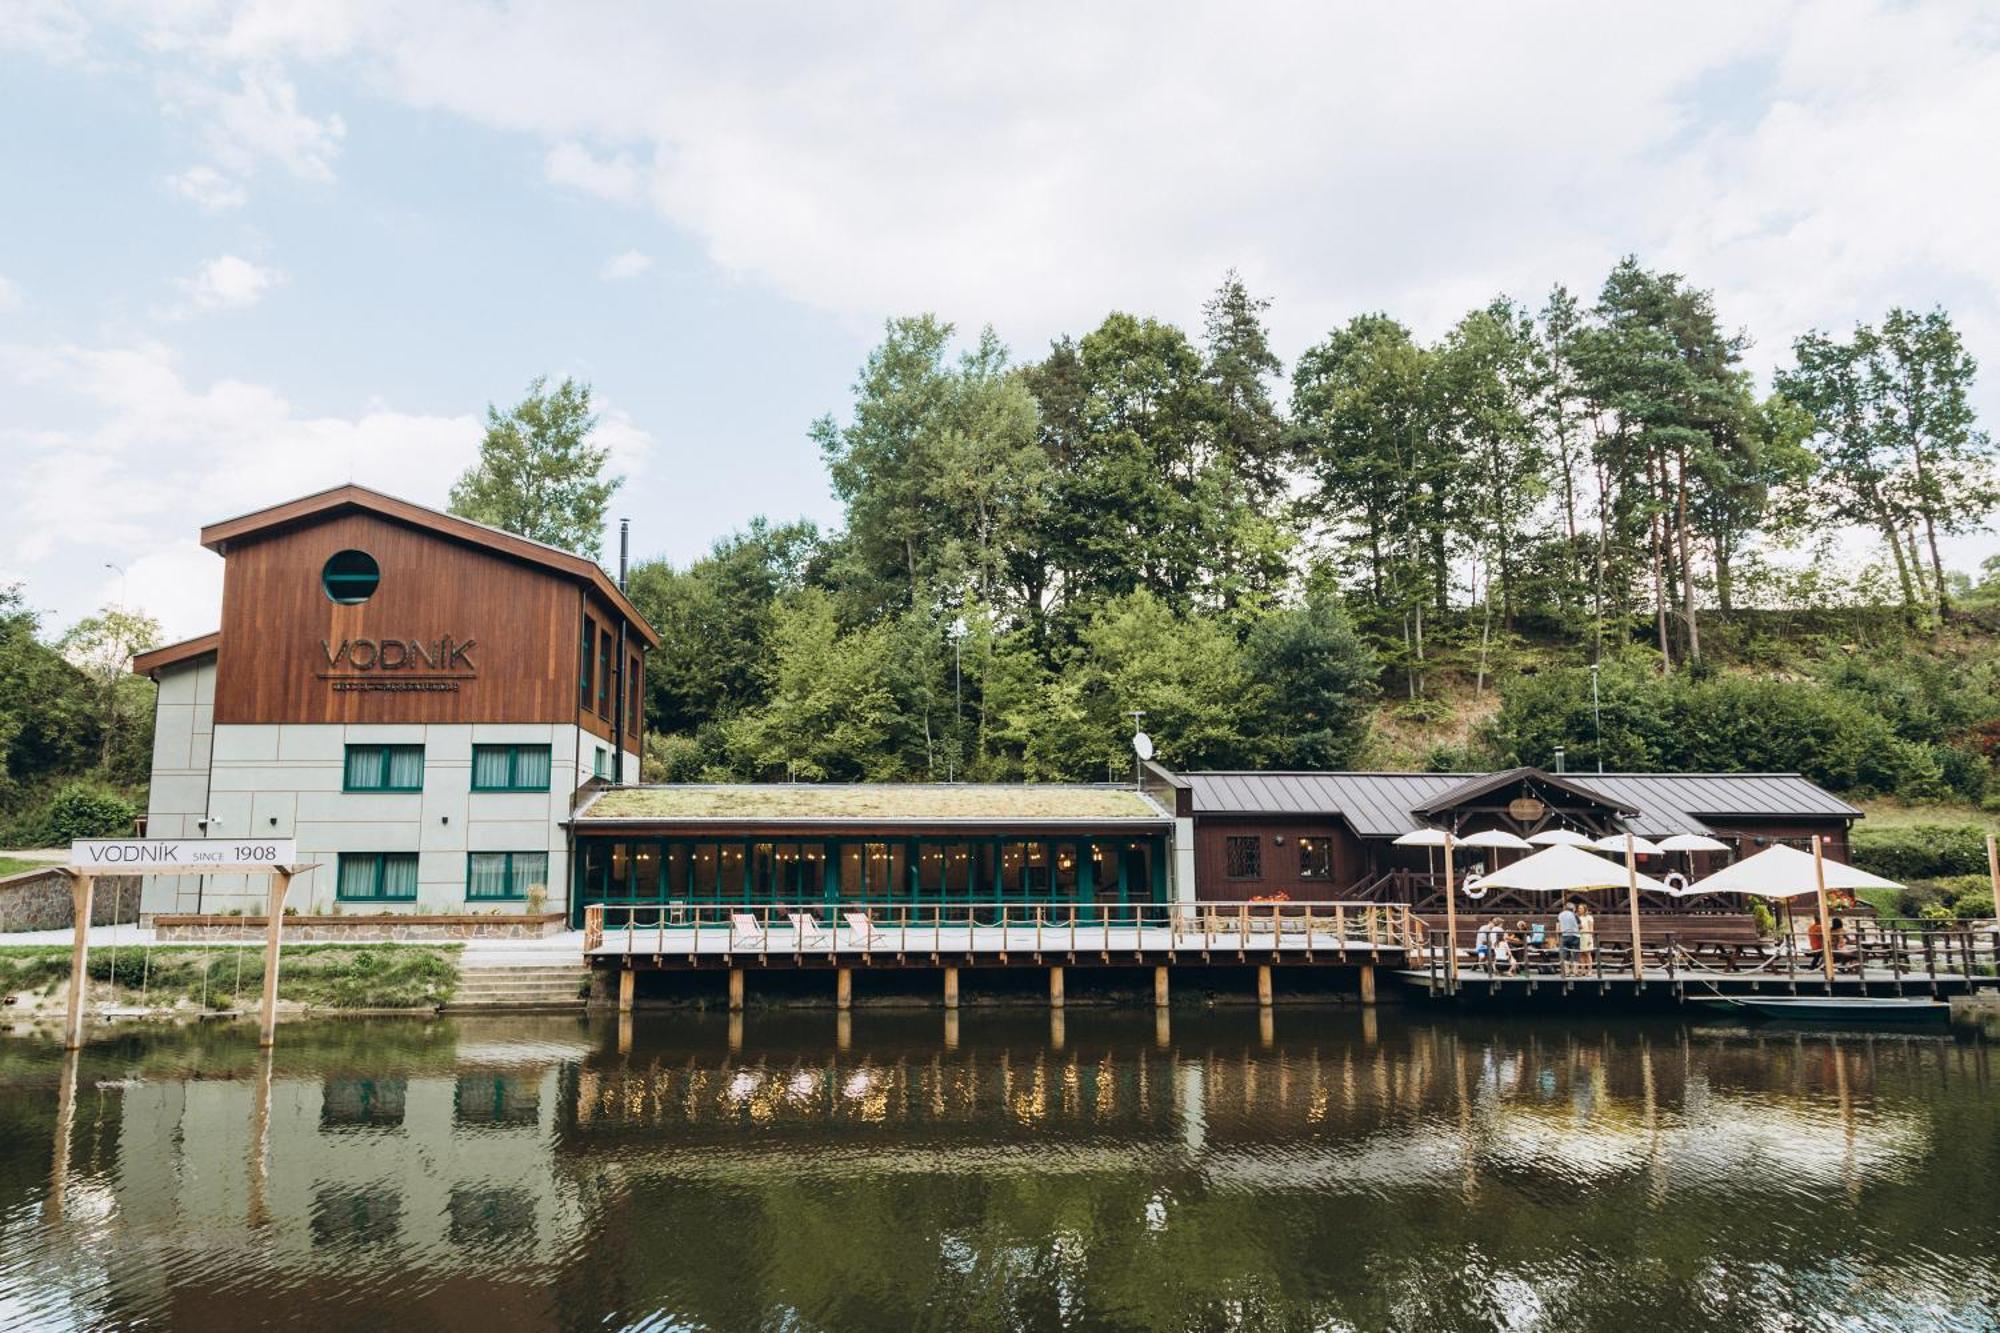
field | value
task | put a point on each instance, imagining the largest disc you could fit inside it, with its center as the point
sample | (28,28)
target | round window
(350,577)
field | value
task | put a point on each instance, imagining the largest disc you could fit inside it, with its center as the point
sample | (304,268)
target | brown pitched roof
(218,537)
(1485,784)
(158,659)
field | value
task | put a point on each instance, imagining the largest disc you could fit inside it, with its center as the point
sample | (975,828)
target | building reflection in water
(490,1150)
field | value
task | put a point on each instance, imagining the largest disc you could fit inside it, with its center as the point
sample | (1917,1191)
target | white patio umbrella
(1616,844)
(1573,870)
(1786,872)
(1437,837)
(1567,870)
(1692,842)
(1494,837)
(1559,837)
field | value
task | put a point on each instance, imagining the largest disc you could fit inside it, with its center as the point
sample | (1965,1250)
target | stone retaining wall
(40,900)
(384,926)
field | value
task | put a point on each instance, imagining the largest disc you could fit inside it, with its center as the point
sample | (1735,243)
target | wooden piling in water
(274,926)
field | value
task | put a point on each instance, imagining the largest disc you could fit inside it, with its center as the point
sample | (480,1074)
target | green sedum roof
(889,802)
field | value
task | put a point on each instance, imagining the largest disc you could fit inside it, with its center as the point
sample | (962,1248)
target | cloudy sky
(252,249)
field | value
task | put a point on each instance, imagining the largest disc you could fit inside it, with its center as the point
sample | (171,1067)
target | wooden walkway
(671,936)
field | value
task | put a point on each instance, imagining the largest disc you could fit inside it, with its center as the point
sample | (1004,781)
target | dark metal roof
(1676,802)
(1382,805)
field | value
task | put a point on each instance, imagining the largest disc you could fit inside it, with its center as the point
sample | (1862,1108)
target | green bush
(82,810)
(1920,851)
(1852,730)
(1973,906)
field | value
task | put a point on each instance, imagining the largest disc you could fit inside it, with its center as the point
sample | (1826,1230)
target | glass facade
(871,869)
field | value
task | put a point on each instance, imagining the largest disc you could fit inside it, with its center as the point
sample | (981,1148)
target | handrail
(765,929)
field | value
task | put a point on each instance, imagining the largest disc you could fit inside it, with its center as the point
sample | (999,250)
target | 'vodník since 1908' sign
(181,856)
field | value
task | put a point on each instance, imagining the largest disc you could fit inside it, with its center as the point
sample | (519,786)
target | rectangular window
(386,877)
(1243,858)
(635,676)
(586,675)
(600,764)
(510,768)
(384,768)
(604,673)
(1316,858)
(505,876)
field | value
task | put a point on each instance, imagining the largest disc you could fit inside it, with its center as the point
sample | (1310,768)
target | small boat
(1834,1008)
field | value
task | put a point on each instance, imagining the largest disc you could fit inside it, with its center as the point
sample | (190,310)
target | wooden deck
(683,936)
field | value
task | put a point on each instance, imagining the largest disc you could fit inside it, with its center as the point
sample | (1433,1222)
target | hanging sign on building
(181,856)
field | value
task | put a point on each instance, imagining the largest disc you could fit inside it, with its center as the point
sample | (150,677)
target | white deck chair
(807,930)
(862,930)
(744,932)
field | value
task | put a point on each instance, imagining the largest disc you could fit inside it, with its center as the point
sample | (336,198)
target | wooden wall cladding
(279,628)
(1280,860)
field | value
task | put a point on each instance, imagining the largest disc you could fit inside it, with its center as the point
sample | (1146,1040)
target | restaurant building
(414,697)
(447,719)
(1332,835)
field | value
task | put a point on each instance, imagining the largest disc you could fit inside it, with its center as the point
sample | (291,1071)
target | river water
(1303,1169)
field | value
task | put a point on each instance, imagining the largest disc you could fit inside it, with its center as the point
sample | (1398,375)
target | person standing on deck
(1569,933)
(1586,933)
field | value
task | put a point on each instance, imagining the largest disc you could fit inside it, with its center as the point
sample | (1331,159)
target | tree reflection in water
(987,1169)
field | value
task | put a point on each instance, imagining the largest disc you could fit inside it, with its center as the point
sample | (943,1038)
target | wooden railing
(997,928)
(1889,957)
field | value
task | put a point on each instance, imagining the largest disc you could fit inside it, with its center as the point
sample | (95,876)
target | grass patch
(325,976)
(14,865)
(1897,814)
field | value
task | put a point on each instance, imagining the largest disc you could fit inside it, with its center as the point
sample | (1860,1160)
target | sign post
(91,857)
(83,892)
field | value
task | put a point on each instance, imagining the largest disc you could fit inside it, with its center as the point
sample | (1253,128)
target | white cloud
(10,294)
(257,121)
(211,191)
(630,264)
(51,29)
(1038,164)
(227,282)
(141,458)
(617,178)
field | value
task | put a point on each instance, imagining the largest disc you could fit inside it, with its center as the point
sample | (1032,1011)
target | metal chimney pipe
(1559,759)
(624,549)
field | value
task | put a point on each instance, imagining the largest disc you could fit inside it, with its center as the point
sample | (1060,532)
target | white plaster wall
(177,795)
(286,781)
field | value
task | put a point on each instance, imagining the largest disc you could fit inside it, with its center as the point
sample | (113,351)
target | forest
(1393,553)
(1575,525)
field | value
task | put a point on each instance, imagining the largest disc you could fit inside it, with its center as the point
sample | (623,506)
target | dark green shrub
(1973,906)
(1919,851)
(89,812)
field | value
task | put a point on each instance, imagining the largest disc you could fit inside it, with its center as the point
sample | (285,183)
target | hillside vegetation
(1400,555)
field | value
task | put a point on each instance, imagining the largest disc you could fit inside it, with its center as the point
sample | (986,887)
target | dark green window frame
(514,753)
(377,878)
(384,755)
(506,878)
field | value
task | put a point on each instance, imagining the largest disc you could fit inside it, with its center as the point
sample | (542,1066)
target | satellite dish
(1142,745)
